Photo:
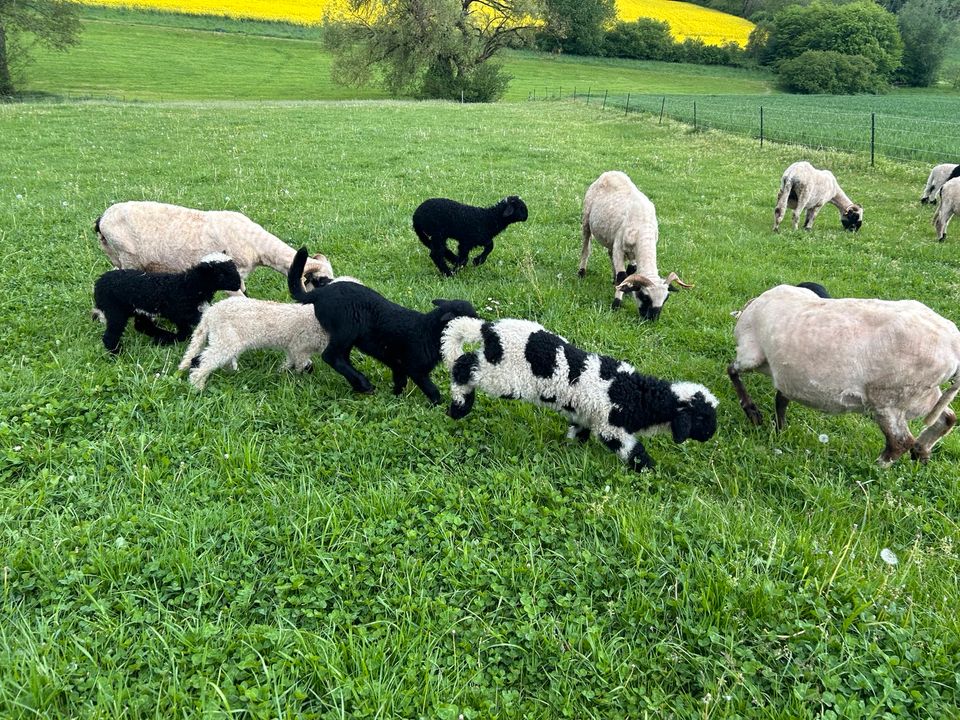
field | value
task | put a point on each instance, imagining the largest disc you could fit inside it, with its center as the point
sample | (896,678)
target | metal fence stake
(626,108)
(662,103)
(604,100)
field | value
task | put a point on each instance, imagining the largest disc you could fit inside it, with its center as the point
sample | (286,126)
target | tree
(829,72)
(577,26)
(856,28)
(429,48)
(925,36)
(24,23)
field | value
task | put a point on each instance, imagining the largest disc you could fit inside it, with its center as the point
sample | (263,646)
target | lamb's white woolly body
(949,206)
(938,176)
(158,237)
(804,187)
(234,325)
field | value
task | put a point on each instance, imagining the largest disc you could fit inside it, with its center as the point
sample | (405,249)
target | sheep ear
(681,426)
(508,210)
(440,302)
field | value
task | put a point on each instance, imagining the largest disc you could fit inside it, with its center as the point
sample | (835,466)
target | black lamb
(353,315)
(439,219)
(180,297)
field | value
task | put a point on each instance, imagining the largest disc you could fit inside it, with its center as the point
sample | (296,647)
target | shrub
(483,83)
(829,72)
(643,39)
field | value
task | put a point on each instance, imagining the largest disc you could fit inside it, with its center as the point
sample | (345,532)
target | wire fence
(900,129)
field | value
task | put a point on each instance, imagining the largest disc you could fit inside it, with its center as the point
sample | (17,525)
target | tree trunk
(6,84)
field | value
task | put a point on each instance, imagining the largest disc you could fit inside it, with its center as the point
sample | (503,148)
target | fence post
(588,94)
(560,93)
(694,115)
(662,103)
(873,135)
(761,126)
(626,109)
(604,107)
(574,92)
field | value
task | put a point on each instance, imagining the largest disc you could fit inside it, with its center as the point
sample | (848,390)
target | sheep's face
(223,274)
(450,309)
(852,219)
(650,295)
(515,210)
(696,416)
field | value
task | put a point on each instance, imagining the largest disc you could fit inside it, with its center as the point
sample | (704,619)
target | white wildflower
(824,438)
(889,556)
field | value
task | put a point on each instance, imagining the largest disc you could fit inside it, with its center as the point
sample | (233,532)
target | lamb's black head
(514,209)
(852,219)
(696,412)
(450,309)
(816,288)
(220,272)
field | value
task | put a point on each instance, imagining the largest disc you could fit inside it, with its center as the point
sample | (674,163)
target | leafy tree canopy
(25,22)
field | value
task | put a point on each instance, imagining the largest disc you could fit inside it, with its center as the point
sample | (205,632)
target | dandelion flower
(889,556)
(824,438)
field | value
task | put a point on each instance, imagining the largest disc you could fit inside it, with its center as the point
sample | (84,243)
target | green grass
(155,56)
(280,547)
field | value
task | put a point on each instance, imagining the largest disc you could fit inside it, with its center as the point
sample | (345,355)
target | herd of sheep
(890,365)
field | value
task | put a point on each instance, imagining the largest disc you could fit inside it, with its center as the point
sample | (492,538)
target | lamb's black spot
(582,435)
(619,277)
(576,361)
(569,408)
(195,361)
(548,400)
(541,353)
(463,368)
(640,401)
(613,443)
(608,367)
(492,348)
(631,269)
(510,396)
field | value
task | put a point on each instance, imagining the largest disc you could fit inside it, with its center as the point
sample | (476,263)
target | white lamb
(804,187)
(938,176)
(157,237)
(949,205)
(624,221)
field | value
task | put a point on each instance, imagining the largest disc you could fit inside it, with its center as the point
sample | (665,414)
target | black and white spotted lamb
(438,219)
(353,315)
(180,297)
(598,394)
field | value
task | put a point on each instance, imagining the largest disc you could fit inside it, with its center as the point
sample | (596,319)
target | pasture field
(277,546)
(119,56)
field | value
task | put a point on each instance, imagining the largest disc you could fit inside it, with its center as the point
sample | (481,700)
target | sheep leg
(429,389)
(116,324)
(893,424)
(746,402)
(463,252)
(482,257)
(209,361)
(585,252)
(438,253)
(462,387)
(781,207)
(399,380)
(578,432)
(933,434)
(628,448)
(940,222)
(146,325)
(811,216)
(619,272)
(339,359)
(781,403)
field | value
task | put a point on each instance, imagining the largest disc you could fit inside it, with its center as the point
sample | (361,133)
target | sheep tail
(295,277)
(196,343)
(786,189)
(459,331)
(944,400)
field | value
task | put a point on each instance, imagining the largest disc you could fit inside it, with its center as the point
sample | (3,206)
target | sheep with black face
(598,394)
(804,187)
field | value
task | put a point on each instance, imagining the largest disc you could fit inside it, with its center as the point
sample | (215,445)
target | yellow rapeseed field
(686,20)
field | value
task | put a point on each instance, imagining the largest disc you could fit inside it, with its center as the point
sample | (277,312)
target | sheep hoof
(581,272)
(616,304)
(457,410)
(753,415)
(920,454)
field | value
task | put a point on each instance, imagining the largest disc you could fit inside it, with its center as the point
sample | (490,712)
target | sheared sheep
(804,187)
(938,176)
(885,359)
(438,219)
(157,237)
(520,359)
(406,341)
(180,297)
(949,205)
(624,221)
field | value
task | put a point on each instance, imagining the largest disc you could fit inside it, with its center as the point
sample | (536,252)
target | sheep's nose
(652,313)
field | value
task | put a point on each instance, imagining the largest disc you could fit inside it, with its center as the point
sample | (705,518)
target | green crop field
(277,546)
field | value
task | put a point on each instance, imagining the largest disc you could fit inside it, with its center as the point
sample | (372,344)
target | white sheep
(597,394)
(948,207)
(624,221)
(235,325)
(938,176)
(804,187)
(881,358)
(157,237)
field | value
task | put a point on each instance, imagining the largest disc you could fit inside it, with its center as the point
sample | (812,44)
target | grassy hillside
(278,546)
(131,60)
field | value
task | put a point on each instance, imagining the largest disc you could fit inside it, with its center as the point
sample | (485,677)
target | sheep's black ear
(508,210)
(681,426)
(440,302)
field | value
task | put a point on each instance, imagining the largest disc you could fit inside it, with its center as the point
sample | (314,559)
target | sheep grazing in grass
(624,221)
(520,359)
(804,187)
(884,359)
(938,176)
(437,220)
(948,207)
(156,237)
(352,315)
(180,297)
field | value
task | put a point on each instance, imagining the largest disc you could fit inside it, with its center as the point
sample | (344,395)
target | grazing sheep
(624,221)
(119,295)
(520,359)
(438,219)
(949,205)
(804,187)
(406,341)
(156,237)
(880,358)
(938,176)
